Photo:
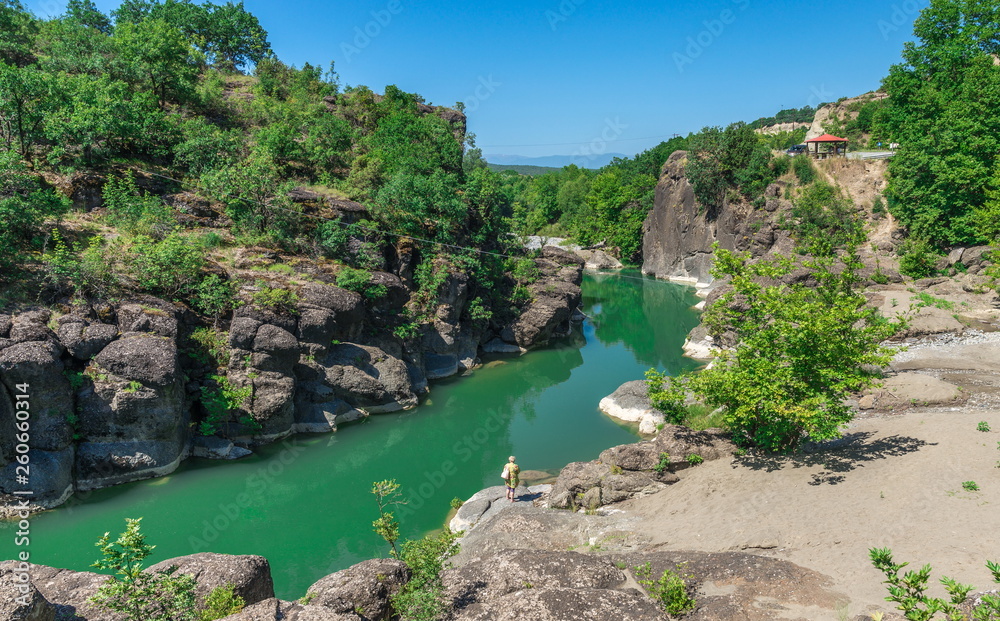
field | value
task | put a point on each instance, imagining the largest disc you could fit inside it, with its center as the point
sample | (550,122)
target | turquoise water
(306,505)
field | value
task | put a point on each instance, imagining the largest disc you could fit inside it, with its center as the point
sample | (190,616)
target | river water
(305,503)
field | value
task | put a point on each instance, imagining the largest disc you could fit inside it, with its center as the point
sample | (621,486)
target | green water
(305,504)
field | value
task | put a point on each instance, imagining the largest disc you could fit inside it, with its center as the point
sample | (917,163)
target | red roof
(827,138)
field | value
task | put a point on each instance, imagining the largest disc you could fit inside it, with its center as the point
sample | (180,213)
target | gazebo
(837,146)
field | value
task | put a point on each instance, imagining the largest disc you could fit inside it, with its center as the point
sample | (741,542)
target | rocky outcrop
(364,587)
(639,469)
(249,576)
(679,232)
(556,296)
(20,600)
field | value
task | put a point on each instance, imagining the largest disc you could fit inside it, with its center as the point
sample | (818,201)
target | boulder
(565,604)
(19,599)
(84,340)
(366,586)
(69,592)
(242,332)
(599,260)
(277,610)
(275,349)
(630,403)
(159,320)
(31,326)
(249,575)
(103,464)
(369,378)
(147,359)
(5,324)
(51,476)
(548,316)
(679,442)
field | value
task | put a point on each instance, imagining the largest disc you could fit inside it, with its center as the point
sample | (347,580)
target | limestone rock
(599,260)
(249,575)
(366,586)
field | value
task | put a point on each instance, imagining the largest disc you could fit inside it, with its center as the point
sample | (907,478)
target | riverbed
(305,503)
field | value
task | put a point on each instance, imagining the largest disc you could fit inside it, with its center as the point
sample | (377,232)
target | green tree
(85,13)
(799,351)
(724,160)
(824,220)
(942,110)
(17,32)
(137,594)
(155,56)
(24,207)
(25,102)
(386,495)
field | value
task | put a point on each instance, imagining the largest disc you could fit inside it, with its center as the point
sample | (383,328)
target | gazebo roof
(827,138)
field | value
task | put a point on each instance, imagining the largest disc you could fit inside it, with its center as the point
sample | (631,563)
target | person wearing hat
(511,474)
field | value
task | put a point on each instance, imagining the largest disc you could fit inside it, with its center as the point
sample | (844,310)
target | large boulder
(84,339)
(630,403)
(364,587)
(31,326)
(370,378)
(51,479)
(159,319)
(69,591)
(565,604)
(148,359)
(548,316)
(250,576)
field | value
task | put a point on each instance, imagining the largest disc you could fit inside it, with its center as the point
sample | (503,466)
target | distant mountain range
(555,161)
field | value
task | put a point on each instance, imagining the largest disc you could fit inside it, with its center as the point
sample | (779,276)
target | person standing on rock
(511,473)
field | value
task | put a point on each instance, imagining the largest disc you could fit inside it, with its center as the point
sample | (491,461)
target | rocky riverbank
(118,391)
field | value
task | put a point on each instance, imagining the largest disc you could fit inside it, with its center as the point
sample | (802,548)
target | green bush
(909,591)
(668,399)
(170,267)
(220,401)
(214,296)
(277,300)
(359,281)
(917,259)
(824,220)
(803,168)
(669,591)
(134,593)
(134,211)
(221,602)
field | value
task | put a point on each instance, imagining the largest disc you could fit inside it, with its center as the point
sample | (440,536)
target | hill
(523,169)
(592,161)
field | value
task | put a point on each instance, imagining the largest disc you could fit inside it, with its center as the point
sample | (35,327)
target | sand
(896,481)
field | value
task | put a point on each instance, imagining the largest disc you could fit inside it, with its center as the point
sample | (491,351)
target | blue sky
(564,76)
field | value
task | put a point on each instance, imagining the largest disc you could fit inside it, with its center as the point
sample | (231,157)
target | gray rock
(565,604)
(31,326)
(548,316)
(19,599)
(160,319)
(5,324)
(469,513)
(37,364)
(369,378)
(249,575)
(242,332)
(275,349)
(439,366)
(289,323)
(277,610)
(84,340)
(150,359)
(103,464)
(214,447)
(366,586)
(68,591)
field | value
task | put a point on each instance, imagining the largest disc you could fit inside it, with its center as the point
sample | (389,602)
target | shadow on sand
(836,457)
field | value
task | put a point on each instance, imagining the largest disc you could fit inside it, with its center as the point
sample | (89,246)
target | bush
(169,267)
(277,300)
(823,220)
(135,594)
(214,297)
(422,598)
(134,211)
(669,591)
(359,281)
(221,602)
(220,401)
(909,591)
(669,399)
(803,168)
(917,259)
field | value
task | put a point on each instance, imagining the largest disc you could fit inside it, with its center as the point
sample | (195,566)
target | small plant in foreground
(669,590)
(694,459)
(134,593)
(970,486)
(387,494)
(456,503)
(983,426)
(909,591)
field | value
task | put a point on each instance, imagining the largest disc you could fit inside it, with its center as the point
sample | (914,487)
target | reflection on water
(305,503)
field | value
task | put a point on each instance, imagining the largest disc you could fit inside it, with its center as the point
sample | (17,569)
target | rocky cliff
(122,392)
(678,233)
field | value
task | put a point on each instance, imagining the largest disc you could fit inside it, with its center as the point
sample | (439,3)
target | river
(305,503)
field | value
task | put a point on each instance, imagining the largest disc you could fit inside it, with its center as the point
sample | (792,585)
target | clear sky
(561,76)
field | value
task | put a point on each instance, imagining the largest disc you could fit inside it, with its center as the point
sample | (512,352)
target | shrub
(214,296)
(694,459)
(221,602)
(422,598)
(664,464)
(211,346)
(803,169)
(170,267)
(277,299)
(134,211)
(669,591)
(909,591)
(823,220)
(917,259)
(359,281)
(138,595)
(220,401)
(669,399)
(983,426)
(970,486)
